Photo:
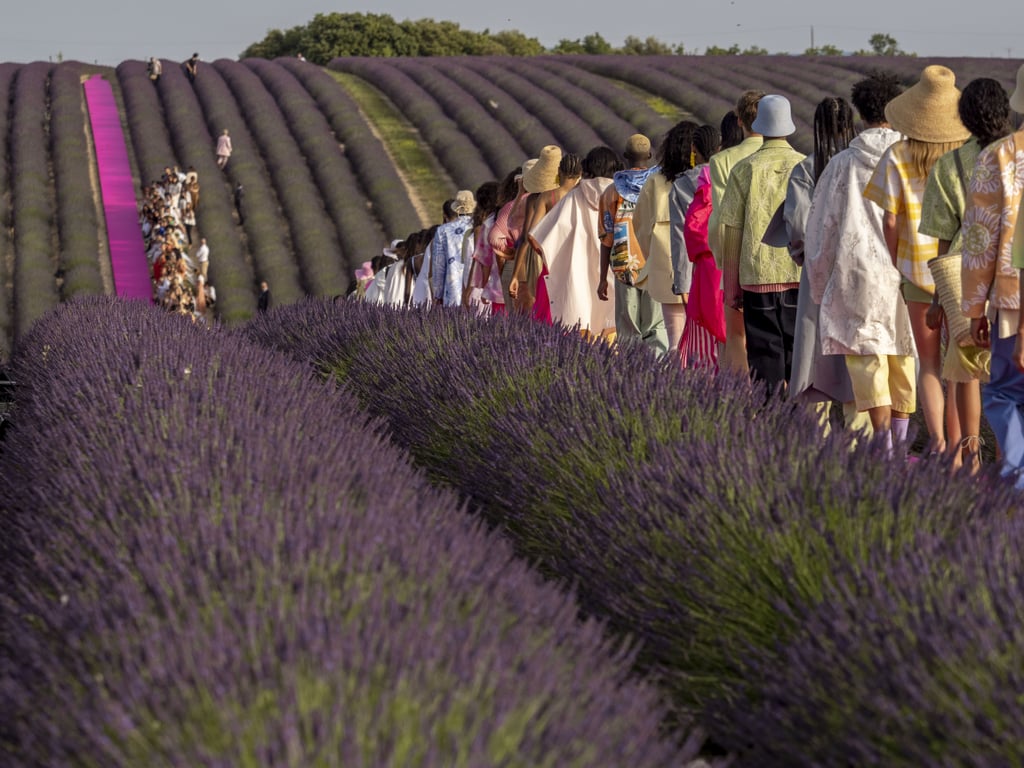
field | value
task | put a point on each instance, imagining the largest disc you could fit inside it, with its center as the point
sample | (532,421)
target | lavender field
(322,191)
(338,534)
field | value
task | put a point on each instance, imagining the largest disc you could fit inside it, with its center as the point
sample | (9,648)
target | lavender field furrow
(267,230)
(447,139)
(82,240)
(7,74)
(369,157)
(314,233)
(32,198)
(231,271)
(359,229)
(483,126)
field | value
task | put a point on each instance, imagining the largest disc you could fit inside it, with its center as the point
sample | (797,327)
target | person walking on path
(191,67)
(638,317)
(762,280)
(203,258)
(223,149)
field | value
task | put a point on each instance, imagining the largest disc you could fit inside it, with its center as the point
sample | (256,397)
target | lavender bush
(685,509)
(7,74)
(32,209)
(268,232)
(82,243)
(359,232)
(376,172)
(314,231)
(211,559)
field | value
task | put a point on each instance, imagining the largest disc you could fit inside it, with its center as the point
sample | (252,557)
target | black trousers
(770,322)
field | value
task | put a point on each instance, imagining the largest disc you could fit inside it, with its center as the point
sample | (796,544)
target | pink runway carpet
(127,249)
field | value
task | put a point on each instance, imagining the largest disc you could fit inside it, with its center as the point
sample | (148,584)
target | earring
(693,157)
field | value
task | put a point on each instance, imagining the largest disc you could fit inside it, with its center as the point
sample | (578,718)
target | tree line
(330,35)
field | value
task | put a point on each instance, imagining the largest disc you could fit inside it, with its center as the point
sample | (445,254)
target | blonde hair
(923,154)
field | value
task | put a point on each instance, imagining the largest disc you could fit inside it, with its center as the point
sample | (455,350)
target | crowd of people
(178,260)
(879,273)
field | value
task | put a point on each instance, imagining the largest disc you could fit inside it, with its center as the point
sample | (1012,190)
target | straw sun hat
(543,175)
(465,202)
(927,111)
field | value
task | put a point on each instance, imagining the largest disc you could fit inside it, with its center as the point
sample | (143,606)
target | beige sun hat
(465,202)
(1017,99)
(542,176)
(928,110)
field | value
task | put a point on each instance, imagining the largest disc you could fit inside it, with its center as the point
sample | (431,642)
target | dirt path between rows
(102,241)
(414,196)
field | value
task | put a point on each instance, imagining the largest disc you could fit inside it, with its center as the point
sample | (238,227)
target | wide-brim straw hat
(543,175)
(774,117)
(928,110)
(1017,99)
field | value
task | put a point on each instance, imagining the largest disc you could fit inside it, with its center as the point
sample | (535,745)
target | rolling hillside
(325,187)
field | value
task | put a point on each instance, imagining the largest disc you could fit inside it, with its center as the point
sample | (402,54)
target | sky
(111,31)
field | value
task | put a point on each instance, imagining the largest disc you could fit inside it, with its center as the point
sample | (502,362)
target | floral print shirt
(989,223)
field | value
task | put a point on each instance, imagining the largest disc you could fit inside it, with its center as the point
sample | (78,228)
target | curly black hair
(674,153)
(871,94)
(985,110)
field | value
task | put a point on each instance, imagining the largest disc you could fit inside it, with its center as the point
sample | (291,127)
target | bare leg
(929,384)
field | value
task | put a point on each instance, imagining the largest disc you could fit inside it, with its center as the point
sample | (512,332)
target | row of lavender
(210,558)
(808,599)
(498,110)
(56,247)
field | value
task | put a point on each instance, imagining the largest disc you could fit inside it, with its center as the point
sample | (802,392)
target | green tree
(884,45)
(515,43)
(569,47)
(755,50)
(714,50)
(594,43)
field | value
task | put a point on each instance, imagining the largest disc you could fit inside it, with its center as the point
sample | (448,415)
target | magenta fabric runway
(127,249)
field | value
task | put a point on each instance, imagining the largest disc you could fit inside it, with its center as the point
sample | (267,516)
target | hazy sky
(109,31)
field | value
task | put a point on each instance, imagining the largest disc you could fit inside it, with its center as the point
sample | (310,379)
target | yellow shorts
(883,380)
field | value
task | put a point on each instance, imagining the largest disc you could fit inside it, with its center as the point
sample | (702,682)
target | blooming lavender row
(211,559)
(230,265)
(150,138)
(447,139)
(377,175)
(686,510)
(915,660)
(359,231)
(7,73)
(627,104)
(32,202)
(571,130)
(314,231)
(495,143)
(523,125)
(267,232)
(78,221)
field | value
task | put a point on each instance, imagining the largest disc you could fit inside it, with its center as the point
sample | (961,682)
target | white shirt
(203,254)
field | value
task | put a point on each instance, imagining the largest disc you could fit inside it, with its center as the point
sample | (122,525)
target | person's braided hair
(833,131)
(674,153)
(707,139)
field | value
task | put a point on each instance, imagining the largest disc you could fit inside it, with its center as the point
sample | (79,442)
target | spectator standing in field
(651,220)
(761,280)
(984,110)
(239,197)
(191,67)
(223,149)
(263,300)
(734,354)
(818,379)
(446,251)
(569,239)
(993,255)
(638,317)
(154,68)
(203,258)
(926,114)
(852,276)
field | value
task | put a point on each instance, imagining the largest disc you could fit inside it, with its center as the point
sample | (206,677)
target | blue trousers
(1003,401)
